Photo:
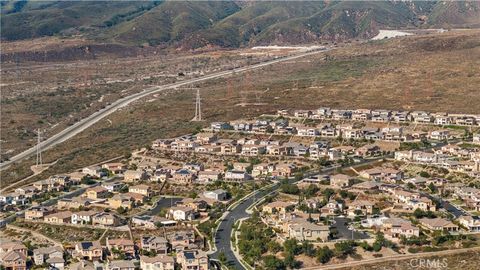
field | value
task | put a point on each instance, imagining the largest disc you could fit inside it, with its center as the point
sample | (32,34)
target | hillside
(184,24)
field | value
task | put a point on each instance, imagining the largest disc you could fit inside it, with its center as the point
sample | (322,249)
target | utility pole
(198,108)
(39,148)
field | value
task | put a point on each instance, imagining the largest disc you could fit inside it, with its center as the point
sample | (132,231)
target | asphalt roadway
(223,234)
(85,123)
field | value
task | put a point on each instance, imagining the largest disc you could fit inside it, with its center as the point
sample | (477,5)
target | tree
(273,263)
(193,195)
(324,254)
(290,189)
(290,246)
(424,174)
(274,247)
(290,261)
(377,247)
(311,190)
(308,249)
(345,248)
(121,210)
(327,193)
(432,188)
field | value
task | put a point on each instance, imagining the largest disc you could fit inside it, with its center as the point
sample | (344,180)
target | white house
(218,195)
(476,138)
(236,176)
(182,213)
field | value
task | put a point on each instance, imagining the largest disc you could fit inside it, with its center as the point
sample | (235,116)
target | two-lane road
(85,123)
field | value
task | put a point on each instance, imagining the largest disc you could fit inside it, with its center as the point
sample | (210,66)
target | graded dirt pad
(465,260)
(432,72)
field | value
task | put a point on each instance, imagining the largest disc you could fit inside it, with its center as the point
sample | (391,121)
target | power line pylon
(39,148)
(198,107)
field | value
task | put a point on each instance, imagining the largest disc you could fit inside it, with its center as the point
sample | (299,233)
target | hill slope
(227,23)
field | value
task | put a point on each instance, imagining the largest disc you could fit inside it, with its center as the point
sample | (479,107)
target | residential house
(29,191)
(241,166)
(141,189)
(206,137)
(196,204)
(57,263)
(182,213)
(396,227)
(237,176)
(17,246)
(440,135)
(113,187)
(476,138)
(131,176)
(59,217)
(97,192)
(41,255)
(120,265)
(208,176)
(13,260)
(124,246)
(382,174)
(106,219)
(438,224)
(184,176)
(262,169)
(37,212)
(121,200)
(193,259)
(83,217)
(253,150)
(116,167)
(88,250)
(95,171)
(218,195)
(154,243)
(284,170)
(302,230)
(367,150)
(362,207)
(472,223)
(182,240)
(277,207)
(74,203)
(217,126)
(159,262)
(340,180)
(331,208)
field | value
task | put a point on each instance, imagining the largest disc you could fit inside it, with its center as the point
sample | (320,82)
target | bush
(324,255)
(273,263)
(345,248)
(290,189)
(412,250)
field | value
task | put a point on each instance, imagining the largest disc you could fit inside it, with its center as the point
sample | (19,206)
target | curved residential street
(224,230)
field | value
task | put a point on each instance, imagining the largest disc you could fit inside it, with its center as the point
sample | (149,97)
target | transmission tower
(39,148)
(198,107)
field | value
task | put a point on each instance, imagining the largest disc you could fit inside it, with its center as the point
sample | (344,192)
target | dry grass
(387,74)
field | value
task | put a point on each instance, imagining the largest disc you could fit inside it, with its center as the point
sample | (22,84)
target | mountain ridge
(197,24)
